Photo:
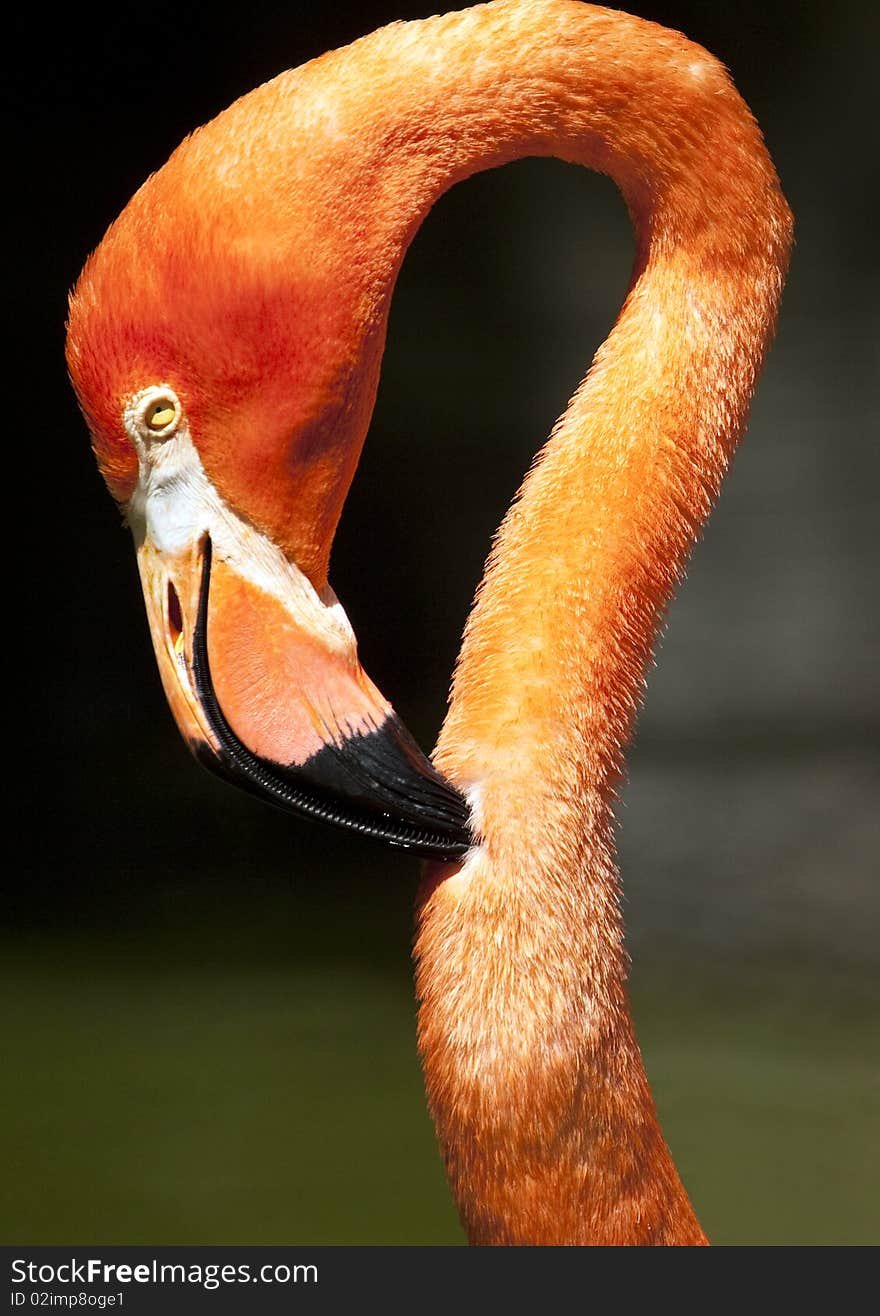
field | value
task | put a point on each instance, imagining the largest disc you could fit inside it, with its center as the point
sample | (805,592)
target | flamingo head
(224,344)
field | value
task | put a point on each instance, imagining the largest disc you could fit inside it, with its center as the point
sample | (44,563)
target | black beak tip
(377,783)
(383,774)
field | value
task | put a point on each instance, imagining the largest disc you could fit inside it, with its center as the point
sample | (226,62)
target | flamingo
(224,342)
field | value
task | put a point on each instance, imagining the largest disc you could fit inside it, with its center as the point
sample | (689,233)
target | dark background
(210,1032)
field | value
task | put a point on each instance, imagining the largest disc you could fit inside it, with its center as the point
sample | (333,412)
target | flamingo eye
(156,412)
(161,416)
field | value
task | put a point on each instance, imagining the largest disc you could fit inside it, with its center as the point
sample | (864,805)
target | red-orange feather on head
(263,330)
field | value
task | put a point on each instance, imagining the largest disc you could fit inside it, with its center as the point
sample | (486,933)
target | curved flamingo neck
(265,254)
(534,1076)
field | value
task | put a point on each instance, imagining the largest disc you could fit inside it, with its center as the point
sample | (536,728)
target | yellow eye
(153,415)
(161,414)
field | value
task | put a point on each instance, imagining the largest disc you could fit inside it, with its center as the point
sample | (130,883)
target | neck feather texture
(534,1076)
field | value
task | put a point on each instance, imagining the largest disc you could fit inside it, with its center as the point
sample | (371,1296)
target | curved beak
(266,688)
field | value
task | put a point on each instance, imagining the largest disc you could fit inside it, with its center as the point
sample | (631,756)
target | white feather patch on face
(175,504)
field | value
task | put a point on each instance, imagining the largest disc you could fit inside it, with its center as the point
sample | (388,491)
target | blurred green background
(208,1010)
